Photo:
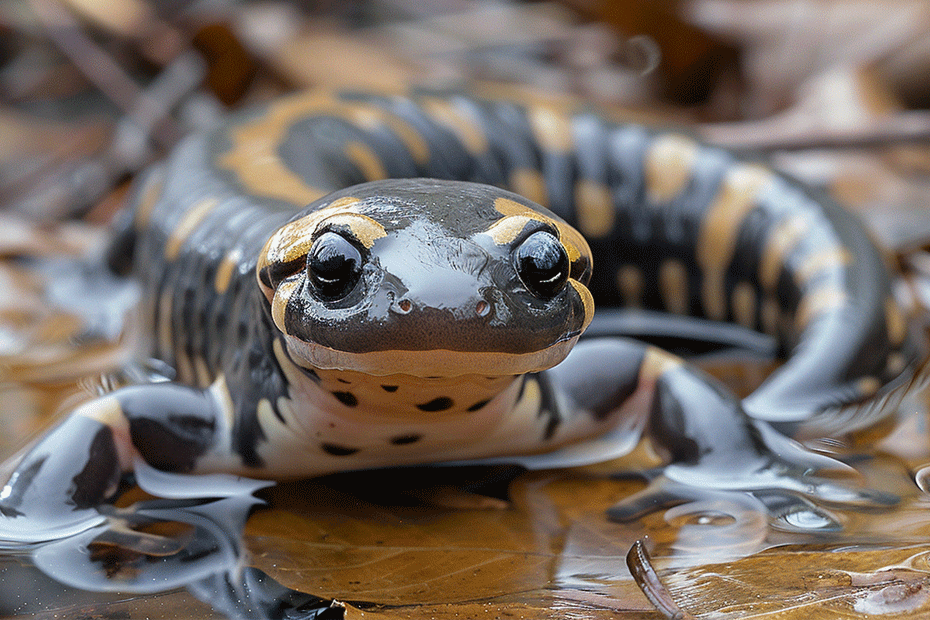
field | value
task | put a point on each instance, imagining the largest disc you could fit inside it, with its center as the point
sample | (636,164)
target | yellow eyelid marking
(587,299)
(575,244)
(365,229)
(279,302)
(189,221)
(505,230)
(292,241)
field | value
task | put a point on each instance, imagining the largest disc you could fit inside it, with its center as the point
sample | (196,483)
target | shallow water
(389,545)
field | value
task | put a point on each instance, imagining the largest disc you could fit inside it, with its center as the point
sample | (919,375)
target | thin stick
(773,135)
(640,565)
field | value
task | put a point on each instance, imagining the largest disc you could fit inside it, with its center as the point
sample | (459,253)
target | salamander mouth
(430,363)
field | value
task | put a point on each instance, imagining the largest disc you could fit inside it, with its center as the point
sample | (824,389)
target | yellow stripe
(781,241)
(411,138)
(673,285)
(163,329)
(366,159)
(816,303)
(770,315)
(868,386)
(820,262)
(721,224)
(225,271)
(529,183)
(594,207)
(186,226)
(630,282)
(254,157)
(552,129)
(460,122)
(668,166)
(895,322)
(744,304)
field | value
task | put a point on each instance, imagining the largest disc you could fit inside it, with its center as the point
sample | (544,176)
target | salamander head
(427,278)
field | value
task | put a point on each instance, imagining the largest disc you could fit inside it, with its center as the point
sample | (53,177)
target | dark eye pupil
(542,264)
(334,265)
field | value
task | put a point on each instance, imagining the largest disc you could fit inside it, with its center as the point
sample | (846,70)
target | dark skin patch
(346,398)
(548,410)
(437,404)
(389,388)
(478,405)
(337,450)
(173,435)
(403,440)
(346,381)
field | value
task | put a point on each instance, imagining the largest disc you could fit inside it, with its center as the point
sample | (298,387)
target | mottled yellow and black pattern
(352,280)
(673,225)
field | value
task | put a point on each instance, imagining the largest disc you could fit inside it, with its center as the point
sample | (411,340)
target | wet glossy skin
(395,322)
(425,269)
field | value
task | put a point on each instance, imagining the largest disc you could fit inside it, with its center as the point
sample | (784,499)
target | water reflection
(157,546)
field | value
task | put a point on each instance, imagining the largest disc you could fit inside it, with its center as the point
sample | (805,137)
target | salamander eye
(334,266)
(542,264)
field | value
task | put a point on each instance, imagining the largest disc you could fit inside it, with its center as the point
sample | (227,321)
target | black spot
(310,373)
(341,380)
(437,404)
(336,450)
(405,439)
(346,398)
(389,388)
(478,405)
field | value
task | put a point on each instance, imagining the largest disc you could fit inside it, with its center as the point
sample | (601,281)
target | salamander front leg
(65,482)
(713,445)
(710,444)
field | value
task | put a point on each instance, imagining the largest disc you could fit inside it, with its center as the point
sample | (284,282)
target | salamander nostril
(482,308)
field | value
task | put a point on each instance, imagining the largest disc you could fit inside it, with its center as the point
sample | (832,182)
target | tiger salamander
(341,282)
